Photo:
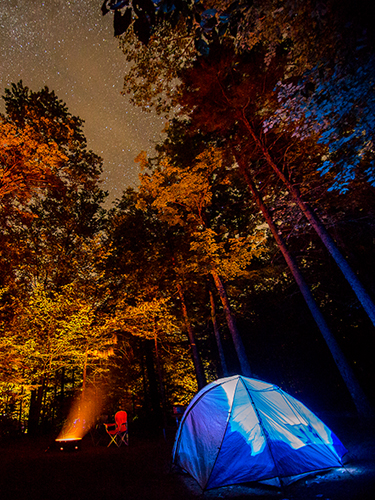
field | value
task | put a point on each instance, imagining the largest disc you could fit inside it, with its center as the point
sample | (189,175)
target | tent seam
(225,431)
(265,433)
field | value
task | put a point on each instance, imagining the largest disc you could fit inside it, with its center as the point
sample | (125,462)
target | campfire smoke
(83,415)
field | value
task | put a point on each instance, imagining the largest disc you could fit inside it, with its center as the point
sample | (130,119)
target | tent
(238,429)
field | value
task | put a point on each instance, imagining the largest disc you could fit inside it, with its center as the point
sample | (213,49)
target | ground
(34,469)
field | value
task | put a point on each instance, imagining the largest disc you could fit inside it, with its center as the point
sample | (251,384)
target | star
(70,47)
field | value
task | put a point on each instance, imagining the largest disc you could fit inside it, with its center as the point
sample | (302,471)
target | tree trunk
(62,385)
(238,344)
(320,229)
(32,421)
(61,395)
(161,384)
(359,398)
(20,418)
(84,376)
(44,410)
(219,344)
(35,409)
(199,372)
(144,381)
(153,384)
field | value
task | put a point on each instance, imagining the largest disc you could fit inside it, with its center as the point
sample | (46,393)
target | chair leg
(124,438)
(113,440)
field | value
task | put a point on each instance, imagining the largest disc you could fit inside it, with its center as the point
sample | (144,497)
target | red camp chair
(118,432)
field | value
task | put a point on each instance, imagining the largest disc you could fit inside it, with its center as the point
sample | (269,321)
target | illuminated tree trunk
(44,409)
(20,419)
(238,344)
(320,229)
(199,372)
(84,376)
(219,344)
(82,402)
(62,393)
(359,398)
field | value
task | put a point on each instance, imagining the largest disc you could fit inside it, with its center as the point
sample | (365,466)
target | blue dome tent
(239,429)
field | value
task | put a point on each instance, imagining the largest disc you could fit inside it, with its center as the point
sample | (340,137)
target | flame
(68,439)
(83,415)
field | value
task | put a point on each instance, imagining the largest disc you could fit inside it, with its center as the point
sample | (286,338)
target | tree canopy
(282,87)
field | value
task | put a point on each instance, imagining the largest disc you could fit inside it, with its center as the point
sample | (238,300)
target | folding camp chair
(118,432)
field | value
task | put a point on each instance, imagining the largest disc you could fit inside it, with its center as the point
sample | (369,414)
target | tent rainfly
(239,429)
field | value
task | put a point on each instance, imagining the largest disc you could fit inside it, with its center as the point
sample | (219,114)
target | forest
(248,246)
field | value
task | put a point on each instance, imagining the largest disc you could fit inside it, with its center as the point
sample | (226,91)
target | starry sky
(69,46)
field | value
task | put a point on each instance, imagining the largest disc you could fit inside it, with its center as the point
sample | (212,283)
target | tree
(27,163)
(49,332)
(218,88)
(182,198)
(246,88)
(326,86)
(145,272)
(216,329)
(275,45)
(66,207)
(50,242)
(201,378)
(310,31)
(152,79)
(359,398)
(230,98)
(153,321)
(340,110)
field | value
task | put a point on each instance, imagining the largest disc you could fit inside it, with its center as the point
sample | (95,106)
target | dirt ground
(33,469)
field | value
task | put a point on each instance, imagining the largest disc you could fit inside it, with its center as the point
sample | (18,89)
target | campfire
(68,444)
(82,417)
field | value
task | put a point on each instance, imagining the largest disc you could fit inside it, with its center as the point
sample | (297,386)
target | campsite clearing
(142,471)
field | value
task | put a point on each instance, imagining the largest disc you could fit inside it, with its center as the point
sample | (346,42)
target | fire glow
(82,417)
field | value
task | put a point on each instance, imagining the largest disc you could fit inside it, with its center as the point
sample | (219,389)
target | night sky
(69,46)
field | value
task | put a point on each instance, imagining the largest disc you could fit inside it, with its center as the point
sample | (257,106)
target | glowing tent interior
(239,429)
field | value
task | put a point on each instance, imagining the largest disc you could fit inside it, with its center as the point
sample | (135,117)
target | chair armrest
(110,425)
